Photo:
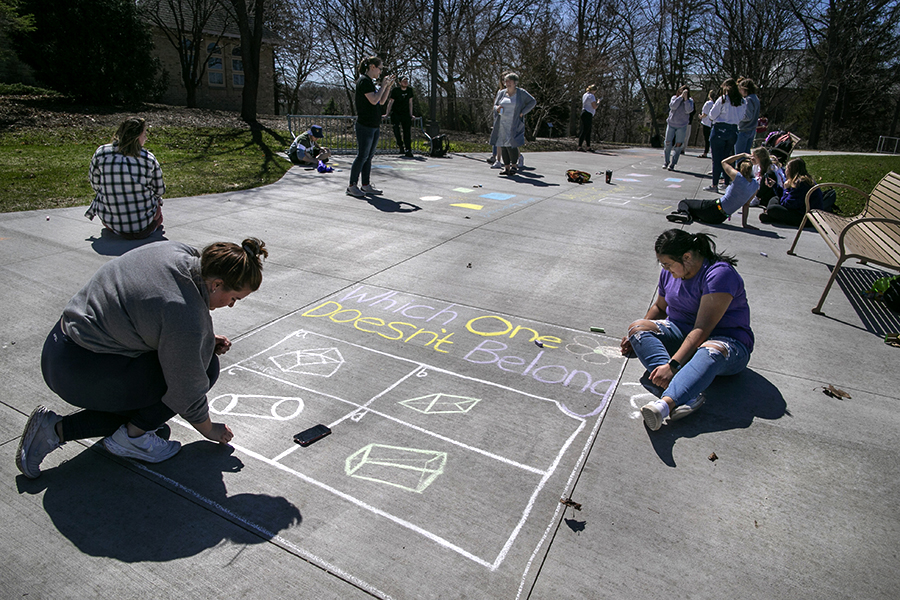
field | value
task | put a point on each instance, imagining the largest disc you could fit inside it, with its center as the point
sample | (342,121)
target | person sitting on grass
(739,193)
(791,207)
(305,149)
(697,329)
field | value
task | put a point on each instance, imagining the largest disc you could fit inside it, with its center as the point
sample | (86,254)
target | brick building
(223,81)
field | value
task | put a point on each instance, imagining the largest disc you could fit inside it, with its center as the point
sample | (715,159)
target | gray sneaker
(148,447)
(683,410)
(355,192)
(38,440)
(370,190)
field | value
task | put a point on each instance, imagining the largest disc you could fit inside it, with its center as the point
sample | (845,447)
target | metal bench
(871,236)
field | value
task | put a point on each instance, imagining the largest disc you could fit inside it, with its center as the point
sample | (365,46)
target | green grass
(48,168)
(862,172)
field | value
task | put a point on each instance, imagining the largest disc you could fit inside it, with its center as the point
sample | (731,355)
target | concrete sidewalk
(408,323)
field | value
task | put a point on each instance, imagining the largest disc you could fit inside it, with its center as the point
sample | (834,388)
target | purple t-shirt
(683,299)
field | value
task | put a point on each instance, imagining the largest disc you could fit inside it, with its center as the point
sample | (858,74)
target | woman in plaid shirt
(129,184)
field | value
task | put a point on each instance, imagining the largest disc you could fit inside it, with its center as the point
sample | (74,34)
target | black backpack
(440,145)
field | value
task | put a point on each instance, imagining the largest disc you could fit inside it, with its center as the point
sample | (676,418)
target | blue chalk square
(498,196)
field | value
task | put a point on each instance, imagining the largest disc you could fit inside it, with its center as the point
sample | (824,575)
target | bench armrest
(856,222)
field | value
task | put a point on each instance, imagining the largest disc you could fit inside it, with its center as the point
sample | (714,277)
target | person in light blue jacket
(511,105)
(680,108)
(747,126)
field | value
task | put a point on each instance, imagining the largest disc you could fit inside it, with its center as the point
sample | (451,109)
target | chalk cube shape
(440,404)
(409,469)
(322,362)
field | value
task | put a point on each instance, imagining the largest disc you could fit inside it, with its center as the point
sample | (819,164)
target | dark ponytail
(676,242)
(369,60)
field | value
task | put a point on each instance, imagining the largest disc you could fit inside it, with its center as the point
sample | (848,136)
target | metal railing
(340,133)
(884,141)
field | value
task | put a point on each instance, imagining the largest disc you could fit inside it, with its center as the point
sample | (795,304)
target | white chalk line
(439,436)
(271,536)
(377,396)
(554,521)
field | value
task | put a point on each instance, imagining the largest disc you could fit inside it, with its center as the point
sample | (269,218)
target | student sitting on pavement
(697,329)
(305,149)
(742,189)
(791,207)
(136,346)
(769,174)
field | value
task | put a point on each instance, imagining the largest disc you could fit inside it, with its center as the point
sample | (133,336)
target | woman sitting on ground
(768,174)
(128,183)
(791,207)
(698,328)
(742,189)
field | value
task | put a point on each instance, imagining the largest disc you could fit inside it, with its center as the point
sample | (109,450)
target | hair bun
(255,248)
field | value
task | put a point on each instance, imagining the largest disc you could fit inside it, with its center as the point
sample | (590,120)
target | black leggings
(706,131)
(587,122)
(706,211)
(113,389)
(776,213)
(509,155)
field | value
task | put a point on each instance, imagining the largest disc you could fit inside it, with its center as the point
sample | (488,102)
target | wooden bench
(871,236)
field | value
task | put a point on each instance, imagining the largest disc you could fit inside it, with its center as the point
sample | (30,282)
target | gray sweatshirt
(151,298)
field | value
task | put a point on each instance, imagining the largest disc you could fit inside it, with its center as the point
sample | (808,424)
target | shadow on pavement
(387,205)
(732,403)
(106,511)
(109,244)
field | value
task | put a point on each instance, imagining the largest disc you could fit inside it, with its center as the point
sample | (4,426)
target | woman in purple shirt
(698,328)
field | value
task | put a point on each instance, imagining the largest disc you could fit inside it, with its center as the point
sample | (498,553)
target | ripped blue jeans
(654,349)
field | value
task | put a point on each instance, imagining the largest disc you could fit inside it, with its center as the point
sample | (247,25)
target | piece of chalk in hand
(598,330)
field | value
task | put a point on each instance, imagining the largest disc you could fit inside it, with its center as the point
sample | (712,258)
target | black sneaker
(679,217)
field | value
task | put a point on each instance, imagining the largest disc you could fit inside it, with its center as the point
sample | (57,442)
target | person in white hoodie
(680,108)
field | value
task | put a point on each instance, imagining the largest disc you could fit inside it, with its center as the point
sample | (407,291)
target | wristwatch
(674,364)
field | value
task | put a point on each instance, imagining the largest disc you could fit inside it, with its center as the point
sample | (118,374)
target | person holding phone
(369,102)
(697,328)
(136,346)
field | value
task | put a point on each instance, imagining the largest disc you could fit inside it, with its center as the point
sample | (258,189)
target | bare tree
(298,25)
(249,15)
(186,23)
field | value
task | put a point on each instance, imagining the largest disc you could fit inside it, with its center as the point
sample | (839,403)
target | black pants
(509,156)
(776,213)
(705,211)
(113,389)
(404,143)
(706,131)
(587,123)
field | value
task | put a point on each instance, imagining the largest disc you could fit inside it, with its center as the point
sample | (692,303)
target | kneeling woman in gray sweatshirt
(136,346)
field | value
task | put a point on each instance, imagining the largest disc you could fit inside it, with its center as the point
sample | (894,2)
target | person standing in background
(707,124)
(747,126)
(680,108)
(403,116)
(369,100)
(588,110)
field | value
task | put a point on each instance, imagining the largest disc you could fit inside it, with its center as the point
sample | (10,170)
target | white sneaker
(355,192)
(148,447)
(723,185)
(497,165)
(683,410)
(653,418)
(754,201)
(710,188)
(370,190)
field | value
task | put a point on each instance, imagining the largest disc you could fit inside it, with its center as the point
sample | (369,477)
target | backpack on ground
(440,146)
(829,197)
(576,176)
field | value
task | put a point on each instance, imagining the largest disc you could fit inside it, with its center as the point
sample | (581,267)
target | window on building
(237,67)
(215,66)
